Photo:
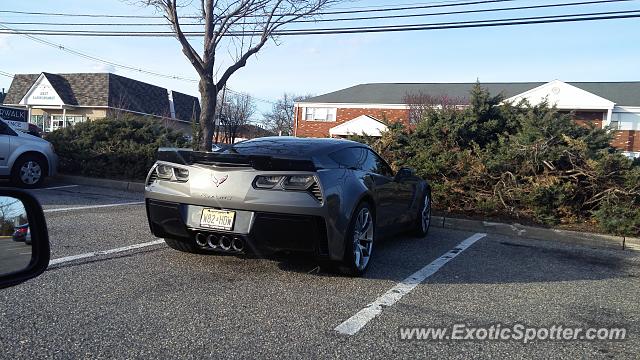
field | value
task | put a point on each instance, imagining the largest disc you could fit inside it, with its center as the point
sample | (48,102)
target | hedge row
(110,148)
(518,161)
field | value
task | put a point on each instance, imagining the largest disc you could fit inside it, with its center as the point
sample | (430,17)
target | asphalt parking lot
(115,291)
(13,255)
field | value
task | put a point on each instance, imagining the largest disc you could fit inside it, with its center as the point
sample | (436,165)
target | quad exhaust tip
(225,243)
(201,240)
(220,242)
(212,241)
(237,244)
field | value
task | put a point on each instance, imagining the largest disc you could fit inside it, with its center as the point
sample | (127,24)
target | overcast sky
(590,51)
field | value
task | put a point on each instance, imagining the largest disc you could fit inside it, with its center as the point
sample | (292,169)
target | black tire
(348,265)
(419,229)
(184,246)
(32,164)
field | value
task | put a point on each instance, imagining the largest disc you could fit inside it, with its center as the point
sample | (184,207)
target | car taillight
(267,182)
(171,173)
(297,182)
(306,183)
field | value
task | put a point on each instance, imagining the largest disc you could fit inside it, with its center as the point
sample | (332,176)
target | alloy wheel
(30,172)
(363,239)
(426,214)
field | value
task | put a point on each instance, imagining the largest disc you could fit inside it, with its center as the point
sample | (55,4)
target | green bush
(518,161)
(115,149)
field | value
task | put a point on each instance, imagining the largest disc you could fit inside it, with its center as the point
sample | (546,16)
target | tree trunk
(208,99)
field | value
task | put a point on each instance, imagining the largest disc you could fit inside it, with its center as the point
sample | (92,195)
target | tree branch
(187,49)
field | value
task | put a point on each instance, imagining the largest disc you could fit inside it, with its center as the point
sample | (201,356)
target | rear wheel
(423,221)
(359,241)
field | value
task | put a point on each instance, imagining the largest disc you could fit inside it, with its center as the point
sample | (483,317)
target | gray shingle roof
(621,93)
(185,106)
(19,86)
(61,85)
(138,96)
(105,89)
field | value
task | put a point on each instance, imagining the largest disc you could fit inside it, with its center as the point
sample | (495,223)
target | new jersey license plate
(217,219)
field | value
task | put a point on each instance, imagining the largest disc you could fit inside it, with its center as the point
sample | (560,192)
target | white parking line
(104,252)
(362,317)
(93,206)
(57,187)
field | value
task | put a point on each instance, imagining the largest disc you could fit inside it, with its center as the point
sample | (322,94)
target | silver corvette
(332,198)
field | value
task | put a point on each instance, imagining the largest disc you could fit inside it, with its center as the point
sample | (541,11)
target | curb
(556,235)
(105,183)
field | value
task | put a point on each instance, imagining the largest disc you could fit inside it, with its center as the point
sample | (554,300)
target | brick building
(368,108)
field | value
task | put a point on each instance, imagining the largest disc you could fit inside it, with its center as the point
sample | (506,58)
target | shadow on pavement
(500,260)
(489,261)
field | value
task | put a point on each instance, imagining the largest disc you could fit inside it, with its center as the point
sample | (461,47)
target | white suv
(24,158)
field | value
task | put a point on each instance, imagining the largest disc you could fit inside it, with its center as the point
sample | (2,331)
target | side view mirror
(404,173)
(24,240)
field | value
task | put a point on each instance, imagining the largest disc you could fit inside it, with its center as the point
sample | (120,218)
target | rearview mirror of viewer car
(24,240)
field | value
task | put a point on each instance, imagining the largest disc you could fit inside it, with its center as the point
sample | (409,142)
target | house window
(614,125)
(72,120)
(57,122)
(37,120)
(320,114)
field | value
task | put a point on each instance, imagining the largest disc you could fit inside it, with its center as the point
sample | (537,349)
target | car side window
(350,158)
(375,164)
(5,129)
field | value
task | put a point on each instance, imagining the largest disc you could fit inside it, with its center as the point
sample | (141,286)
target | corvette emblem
(219,181)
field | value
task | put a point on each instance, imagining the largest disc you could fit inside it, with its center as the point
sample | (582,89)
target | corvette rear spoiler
(258,162)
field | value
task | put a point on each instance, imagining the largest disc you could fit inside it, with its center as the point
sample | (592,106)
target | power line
(453,2)
(127,67)
(474,21)
(3,73)
(470,24)
(387,9)
(251,96)
(405,8)
(94,58)
(6,74)
(625,14)
(459,12)
(405,4)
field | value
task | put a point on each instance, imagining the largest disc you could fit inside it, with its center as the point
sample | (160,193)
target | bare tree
(280,119)
(236,112)
(120,105)
(244,26)
(421,103)
(12,213)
